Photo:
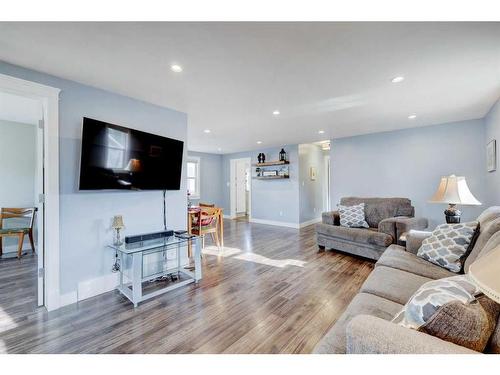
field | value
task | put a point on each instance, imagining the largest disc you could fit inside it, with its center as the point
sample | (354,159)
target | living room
(250,188)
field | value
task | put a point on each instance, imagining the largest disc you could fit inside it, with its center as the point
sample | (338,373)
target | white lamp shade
(454,190)
(485,273)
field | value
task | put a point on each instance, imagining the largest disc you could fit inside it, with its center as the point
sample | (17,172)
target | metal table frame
(138,250)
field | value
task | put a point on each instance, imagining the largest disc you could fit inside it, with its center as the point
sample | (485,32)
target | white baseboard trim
(68,299)
(229,217)
(277,223)
(99,285)
(310,222)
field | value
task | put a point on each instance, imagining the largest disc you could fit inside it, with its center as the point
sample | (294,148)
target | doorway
(21,209)
(327,205)
(44,101)
(240,189)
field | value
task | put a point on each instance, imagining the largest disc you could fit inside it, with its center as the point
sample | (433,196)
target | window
(117,144)
(193,177)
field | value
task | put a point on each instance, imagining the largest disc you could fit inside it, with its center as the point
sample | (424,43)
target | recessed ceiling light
(412,117)
(259,142)
(206,131)
(176,68)
(276,112)
(398,79)
(321,132)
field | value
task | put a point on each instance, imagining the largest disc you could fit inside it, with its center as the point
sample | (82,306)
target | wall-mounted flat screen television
(115,157)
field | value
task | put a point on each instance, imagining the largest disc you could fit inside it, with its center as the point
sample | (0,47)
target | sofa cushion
(486,232)
(353,216)
(448,244)
(397,257)
(359,235)
(490,214)
(449,309)
(377,209)
(335,339)
(393,284)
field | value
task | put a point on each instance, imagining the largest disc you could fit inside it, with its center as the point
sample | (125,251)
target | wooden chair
(19,232)
(206,222)
(206,204)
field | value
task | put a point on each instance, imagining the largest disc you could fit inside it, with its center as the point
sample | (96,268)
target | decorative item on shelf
(283,172)
(491,156)
(258,171)
(117,225)
(484,273)
(283,155)
(270,173)
(261,158)
(453,190)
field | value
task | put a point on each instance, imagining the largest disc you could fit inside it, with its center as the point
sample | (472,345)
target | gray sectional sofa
(366,327)
(388,219)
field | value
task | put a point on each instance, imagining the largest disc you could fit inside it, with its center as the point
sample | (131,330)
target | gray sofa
(388,218)
(366,327)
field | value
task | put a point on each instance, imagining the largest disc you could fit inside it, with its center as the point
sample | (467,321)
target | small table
(131,257)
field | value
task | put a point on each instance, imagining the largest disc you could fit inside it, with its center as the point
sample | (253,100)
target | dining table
(195,210)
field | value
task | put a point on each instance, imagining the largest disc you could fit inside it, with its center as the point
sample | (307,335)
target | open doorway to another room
(241,189)
(21,205)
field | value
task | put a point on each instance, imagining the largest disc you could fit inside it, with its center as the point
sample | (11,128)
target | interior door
(240,186)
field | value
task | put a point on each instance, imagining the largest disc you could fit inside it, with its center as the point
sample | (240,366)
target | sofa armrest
(331,217)
(371,335)
(396,226)
(414,239)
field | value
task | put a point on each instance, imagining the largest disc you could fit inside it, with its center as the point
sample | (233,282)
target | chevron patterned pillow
(353,216)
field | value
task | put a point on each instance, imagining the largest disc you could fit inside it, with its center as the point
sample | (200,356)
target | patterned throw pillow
(448,244)
(452,309)
(353,216)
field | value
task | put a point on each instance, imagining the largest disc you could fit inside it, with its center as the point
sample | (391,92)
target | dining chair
(206,204)
(206,222)
(19,231)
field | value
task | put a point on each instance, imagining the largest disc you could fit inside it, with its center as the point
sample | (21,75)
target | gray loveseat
(388,218)
(366,327)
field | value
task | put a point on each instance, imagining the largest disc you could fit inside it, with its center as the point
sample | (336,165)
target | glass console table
(148,260)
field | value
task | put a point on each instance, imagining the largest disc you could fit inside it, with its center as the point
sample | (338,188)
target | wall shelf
(271,177)
(271,163)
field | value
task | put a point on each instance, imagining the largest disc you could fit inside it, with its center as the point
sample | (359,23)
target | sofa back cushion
(486,231)
(378,209)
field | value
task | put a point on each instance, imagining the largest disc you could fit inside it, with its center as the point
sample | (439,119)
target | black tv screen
(114,157)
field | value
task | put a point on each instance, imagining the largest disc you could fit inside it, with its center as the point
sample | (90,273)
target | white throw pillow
(353,216)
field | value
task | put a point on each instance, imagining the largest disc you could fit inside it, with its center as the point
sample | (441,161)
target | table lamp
(117,225)
(453,190)
(485,272)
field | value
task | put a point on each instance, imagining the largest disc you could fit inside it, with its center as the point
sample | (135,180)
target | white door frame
(232,188)
(49,99)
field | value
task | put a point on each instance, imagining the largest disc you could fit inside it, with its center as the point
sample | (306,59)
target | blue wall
(409,163)
(274,200)
(85,216)
(492,121)
(210,178)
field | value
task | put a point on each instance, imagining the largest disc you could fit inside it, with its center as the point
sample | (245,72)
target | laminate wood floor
(270,292)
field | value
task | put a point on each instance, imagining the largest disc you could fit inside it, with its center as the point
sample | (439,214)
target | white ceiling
(19,109)
(330,76)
